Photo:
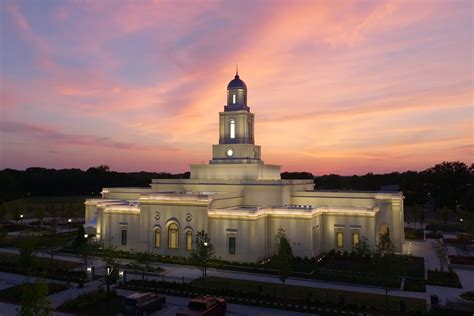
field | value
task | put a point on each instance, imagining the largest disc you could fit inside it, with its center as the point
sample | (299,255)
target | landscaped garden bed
(14,294)
(414,285)
(275,295)
(93,303)
(468,296)
(454,259)
(443,278)
(414,233)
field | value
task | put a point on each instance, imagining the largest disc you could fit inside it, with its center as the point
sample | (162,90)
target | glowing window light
(232,128)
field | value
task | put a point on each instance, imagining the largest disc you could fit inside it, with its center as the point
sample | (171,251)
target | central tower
(236,129)
(236,157)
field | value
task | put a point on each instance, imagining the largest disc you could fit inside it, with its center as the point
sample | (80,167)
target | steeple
(236,94)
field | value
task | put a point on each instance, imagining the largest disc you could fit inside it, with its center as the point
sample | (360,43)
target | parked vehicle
(143,303)
(204,306)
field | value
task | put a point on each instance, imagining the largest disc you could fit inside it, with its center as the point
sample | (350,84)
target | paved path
(424,249)
(174,303)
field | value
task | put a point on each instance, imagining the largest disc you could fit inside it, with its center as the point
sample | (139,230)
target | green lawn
(14,294)
(299,294)
(443,278)
(42,267)
(45,206)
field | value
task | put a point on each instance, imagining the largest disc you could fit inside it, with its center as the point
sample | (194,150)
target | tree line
(447,184)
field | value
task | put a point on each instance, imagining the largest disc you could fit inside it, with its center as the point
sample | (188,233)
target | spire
(236,70)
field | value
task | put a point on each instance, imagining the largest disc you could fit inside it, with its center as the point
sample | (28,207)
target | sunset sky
(337,86)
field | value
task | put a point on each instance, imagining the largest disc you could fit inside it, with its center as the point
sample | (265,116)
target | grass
(93,303)
(45,241)
(47,206)
(414,285)
(42,267)
(14,294)
(443,278)
(300,294)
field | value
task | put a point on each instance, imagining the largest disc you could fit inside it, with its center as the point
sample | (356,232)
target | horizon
(336,88)
(283,171)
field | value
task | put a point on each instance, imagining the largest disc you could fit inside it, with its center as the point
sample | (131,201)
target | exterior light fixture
(85,236)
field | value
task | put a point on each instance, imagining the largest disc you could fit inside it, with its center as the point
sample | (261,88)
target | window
(232,245)
(232,128)
(339,239)
(173,236)
(355,239)
(234,98)
(189,240)
(124,237)
(157,238)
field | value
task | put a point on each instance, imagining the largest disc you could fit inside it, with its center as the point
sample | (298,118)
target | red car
(204,306)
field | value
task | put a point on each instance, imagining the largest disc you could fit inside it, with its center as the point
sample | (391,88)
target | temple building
(241,202)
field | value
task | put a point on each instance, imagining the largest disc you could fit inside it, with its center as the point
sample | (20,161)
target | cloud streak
(344,86)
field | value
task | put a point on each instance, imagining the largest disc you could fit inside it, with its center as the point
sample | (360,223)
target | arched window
(234,98)
(232,128)
(173,236)
(189,240)
(157,238)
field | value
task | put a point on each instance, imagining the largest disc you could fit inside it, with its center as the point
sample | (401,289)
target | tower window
(234,99)
(232,128)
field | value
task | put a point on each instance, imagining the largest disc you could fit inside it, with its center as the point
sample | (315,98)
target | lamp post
(462,228)
(69,226)
(205,259)
(109,270)
(21,224)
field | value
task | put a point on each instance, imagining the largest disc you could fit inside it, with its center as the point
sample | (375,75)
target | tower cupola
(236,95)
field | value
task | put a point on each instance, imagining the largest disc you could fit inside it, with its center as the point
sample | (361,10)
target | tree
(362,248)
(111,272)
(444,213)
(27,260)
(283,257)
(385,246)
(441,253)
(144,259)
(35,300)
(203,250)
(80,240)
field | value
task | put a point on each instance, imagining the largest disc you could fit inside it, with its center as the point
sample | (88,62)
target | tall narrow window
(355,239)
(124,237)
(173,236)
(232,245)
(339,239)
(189,240)
(157,238)
(232,128)
(234,98)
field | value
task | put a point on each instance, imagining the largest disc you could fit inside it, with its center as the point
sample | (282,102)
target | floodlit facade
(241,202)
